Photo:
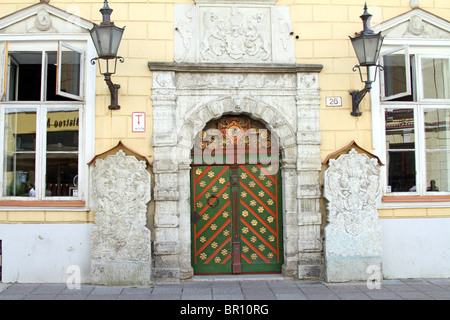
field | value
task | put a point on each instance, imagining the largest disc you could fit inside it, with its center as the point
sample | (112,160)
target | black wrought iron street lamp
(367,45)
(106,38)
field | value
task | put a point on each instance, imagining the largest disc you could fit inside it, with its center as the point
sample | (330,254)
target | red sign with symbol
(138,121)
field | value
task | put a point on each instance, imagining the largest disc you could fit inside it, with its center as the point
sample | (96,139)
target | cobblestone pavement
(418,289)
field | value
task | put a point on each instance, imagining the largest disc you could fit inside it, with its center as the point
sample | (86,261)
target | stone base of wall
(119,273)
(343,269)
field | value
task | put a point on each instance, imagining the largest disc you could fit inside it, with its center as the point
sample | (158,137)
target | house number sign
(334,101)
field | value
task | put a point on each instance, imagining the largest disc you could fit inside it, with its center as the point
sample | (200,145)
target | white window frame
(407,76)
(420,48)
(86,119)
(420,92)
(62,45)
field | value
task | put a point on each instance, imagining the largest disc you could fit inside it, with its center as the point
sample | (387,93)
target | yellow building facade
(164,48)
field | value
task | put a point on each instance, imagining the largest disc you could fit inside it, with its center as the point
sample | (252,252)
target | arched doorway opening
(236,214)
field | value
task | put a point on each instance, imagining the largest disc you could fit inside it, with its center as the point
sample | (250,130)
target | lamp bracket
(113,88)
(357,96)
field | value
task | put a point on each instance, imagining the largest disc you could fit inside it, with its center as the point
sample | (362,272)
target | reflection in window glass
(394,74)
(19,153)
(62,153)
(437,144)
(435,74)
(400,146)
(70,72)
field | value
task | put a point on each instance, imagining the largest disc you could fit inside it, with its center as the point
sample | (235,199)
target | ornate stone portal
(120,240)
(353,233)
(243,64)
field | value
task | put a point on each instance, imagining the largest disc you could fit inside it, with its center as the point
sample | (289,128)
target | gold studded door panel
(260,222)
(211,219)
(236,219)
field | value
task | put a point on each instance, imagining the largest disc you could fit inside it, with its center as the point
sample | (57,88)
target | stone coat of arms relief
(120,240)
(352,187)
(230,33)
(239,35)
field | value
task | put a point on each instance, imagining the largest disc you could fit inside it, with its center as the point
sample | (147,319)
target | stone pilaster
(310,263)
(166,245)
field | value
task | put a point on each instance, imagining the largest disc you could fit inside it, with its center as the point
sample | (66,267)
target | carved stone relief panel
(45,21)
(353,234)
(231,33)
(120,240)
(416,27)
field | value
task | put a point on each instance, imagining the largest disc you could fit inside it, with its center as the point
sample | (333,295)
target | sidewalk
(420,289)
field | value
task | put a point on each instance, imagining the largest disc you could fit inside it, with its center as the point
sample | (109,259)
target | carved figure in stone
(43,23)
(416,28)
(257,42)
(308,81)
(185,32)
(285,33)
(212,36)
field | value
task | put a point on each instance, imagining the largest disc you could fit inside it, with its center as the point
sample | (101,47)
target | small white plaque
(138,121)
(334,101)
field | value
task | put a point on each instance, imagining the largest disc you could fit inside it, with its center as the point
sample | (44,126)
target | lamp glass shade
(106,40)
(367,48)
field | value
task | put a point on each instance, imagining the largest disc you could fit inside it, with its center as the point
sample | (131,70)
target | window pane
(62,174)
(438,170)
(437,144)
(51,94)
(62,130)
(28,76)
(69,73)
(397,75)
(394,74)
(435,75)
(437,129)
(62,153)
(400,146)
(19,152)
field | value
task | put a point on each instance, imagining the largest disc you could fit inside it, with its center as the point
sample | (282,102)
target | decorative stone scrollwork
(120,241)
(240,34)
(352,187)
(233,33)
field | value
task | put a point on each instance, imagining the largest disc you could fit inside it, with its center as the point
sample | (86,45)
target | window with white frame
(41,128)
(415,100)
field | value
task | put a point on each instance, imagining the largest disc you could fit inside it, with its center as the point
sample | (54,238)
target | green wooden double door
(236,219)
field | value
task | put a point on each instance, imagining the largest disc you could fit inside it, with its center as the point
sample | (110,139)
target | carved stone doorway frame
(284,97)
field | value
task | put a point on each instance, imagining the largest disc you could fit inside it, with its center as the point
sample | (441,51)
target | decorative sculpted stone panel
(353,234)
(233,33)
(120,241)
